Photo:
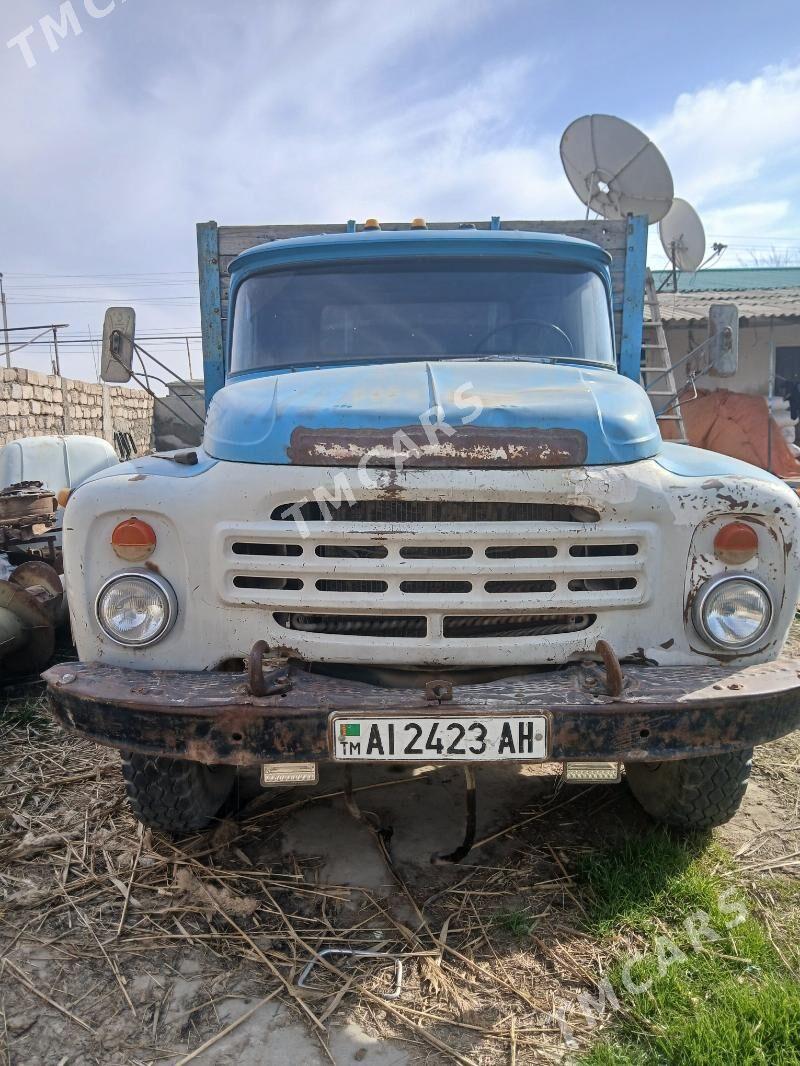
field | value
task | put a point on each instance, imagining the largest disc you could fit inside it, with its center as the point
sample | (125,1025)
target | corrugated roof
(735,279)
(752,304)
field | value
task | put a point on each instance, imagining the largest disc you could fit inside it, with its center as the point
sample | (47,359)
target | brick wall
(132,412)
(35,405)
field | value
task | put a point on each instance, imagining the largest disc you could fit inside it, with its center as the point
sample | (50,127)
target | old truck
(432,519)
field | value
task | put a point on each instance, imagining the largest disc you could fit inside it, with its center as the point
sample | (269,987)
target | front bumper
(662,713)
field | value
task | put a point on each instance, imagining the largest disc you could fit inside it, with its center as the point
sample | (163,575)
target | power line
(172,335)
(92,287)
(753,237)
(135,274)
(176,342)
(103,300)
(99,282)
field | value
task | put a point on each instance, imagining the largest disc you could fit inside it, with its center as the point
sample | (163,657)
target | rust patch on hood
(471,447)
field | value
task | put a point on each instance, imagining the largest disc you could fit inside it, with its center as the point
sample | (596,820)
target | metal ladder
(658,377)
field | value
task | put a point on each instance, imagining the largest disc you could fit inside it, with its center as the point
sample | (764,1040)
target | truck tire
(175,795)
(692,793)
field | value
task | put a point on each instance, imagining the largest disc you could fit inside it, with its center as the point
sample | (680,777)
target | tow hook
(438,691)
(614,676)
(271,683)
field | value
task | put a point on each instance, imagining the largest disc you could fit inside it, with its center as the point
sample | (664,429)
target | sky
(125,122)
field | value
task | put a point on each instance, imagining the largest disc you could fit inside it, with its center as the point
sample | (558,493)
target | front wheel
(175,795)
(692,793)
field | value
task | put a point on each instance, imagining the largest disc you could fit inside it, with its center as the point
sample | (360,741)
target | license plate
(440,738)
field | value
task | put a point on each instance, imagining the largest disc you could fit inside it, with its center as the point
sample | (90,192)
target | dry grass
(90,904)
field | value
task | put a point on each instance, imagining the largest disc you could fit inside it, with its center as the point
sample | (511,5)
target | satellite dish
(683,236)
(615,169)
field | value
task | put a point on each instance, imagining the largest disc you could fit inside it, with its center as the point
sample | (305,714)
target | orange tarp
(736,425)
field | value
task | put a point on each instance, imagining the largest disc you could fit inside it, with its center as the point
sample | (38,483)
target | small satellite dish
(683,236)
(615,169)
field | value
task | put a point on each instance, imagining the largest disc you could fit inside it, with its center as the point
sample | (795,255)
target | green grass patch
(25,711)
(709,986)
(644,878)
(516,923)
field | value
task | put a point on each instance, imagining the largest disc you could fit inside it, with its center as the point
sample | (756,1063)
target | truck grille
(445,511)
(437,570)
(468,626)
(354,625)
(463,627)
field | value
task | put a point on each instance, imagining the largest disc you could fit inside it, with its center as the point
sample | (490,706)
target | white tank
(58,462)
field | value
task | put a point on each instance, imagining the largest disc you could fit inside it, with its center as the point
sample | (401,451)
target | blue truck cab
(433,519)
(367,331)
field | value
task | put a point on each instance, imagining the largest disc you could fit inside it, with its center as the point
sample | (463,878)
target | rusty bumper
(661,713)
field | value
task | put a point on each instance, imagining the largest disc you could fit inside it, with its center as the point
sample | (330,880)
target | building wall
(757,345)
(35,405)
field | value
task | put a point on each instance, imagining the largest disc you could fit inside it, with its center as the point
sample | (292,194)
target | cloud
(285,112)
(734,150)
(759,217)
(114,146)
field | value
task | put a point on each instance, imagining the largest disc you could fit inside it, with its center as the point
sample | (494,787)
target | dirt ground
(122,946)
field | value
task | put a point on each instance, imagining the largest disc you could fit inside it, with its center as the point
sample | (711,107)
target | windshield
(420,309)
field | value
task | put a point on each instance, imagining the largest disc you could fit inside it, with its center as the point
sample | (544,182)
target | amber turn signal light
(736,543)
(133,540)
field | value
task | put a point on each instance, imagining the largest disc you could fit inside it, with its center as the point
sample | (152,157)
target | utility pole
(5,322)
(56,364)
(189,356)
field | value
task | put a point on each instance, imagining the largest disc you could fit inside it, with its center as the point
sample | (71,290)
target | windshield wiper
(525,358)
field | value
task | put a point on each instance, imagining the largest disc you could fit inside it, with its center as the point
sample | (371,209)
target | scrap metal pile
(31,594)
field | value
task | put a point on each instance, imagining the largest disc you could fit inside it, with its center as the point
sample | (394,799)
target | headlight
(135,610)
(733,612)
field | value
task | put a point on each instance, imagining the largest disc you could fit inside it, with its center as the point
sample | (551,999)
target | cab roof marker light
(371,224)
